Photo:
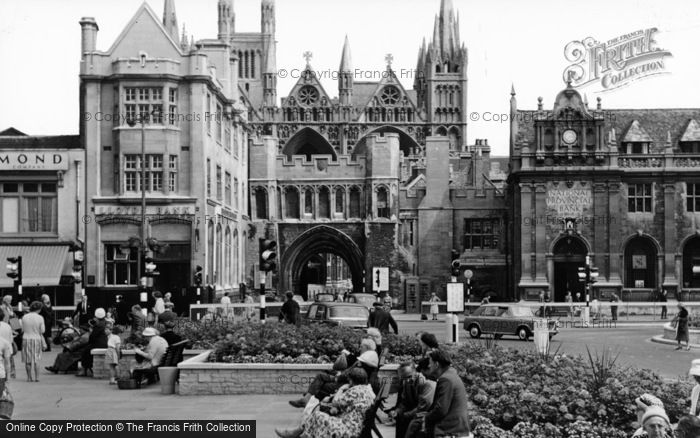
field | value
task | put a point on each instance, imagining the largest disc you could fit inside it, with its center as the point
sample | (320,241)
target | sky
(509,42)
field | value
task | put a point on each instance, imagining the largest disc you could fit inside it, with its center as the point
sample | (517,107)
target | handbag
(15,324)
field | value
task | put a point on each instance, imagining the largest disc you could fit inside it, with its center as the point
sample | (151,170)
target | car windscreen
(522,311)
(348,312)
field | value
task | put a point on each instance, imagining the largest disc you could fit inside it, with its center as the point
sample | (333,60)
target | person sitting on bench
(152,355)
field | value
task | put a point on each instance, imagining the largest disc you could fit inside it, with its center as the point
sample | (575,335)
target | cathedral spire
(435,43)
(346,59)
(183,41)
(225,10)
(267,17)
(170,20)
(449,32)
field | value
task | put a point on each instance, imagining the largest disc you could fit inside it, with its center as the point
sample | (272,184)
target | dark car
(336,313)
(366,300)
(505,319)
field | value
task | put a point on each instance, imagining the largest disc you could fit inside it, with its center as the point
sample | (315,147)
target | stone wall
(199,377)
(127,362)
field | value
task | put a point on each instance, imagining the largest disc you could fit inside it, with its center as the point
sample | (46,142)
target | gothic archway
(691,258)
(568,254)
(318,240)
(407,144)
(308,142)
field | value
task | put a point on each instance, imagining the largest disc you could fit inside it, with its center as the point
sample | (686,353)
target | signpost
(380,279)
(455,303)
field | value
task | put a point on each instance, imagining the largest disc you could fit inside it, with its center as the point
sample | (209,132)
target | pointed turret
(225,10)
(183,40)
(435,43)
(345,79)
(448,42)
(170,20)
(513,118)
(267,17)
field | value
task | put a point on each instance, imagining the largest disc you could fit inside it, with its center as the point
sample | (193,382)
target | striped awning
(41,265)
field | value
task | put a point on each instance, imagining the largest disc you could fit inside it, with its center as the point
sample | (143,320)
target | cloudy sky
(509,41)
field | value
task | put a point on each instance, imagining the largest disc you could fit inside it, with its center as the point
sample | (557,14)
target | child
(114,343)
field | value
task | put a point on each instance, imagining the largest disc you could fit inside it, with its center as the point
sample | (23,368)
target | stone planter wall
(127,362)
(670,333)
(199,377)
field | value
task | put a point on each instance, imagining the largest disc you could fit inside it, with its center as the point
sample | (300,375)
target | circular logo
(468,274)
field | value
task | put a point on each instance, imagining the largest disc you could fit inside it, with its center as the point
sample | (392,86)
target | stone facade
(198,377)
(195,144)
(612,188)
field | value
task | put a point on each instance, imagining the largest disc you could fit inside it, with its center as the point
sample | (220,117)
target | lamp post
(142,118)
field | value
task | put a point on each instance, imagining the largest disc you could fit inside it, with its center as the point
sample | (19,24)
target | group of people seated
(432,400)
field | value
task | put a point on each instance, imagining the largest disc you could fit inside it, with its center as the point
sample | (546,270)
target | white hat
(100,313)
(150,331)
(655,411)
(370,358)
(695,368)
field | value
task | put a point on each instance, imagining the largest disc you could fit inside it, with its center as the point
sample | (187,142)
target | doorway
(569,255)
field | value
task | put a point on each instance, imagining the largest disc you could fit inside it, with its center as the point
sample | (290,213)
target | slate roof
(40,142)
(656,123)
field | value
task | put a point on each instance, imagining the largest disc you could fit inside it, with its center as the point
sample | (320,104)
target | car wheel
(523,333)
(474,331)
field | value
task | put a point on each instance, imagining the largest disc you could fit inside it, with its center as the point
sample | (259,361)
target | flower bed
(283,343)
(518,394)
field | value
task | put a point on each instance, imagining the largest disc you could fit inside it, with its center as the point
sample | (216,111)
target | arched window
(291,198)
(308,201)
(640,263)
(261,203)
(339,200)
(454,138)
(382,202)
(691,258)
(590,137)
(210,253)
(324,203)
(548,138)
(227,256)
(219,249)
(355,204)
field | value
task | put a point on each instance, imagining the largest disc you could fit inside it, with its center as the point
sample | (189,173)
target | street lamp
(142,118)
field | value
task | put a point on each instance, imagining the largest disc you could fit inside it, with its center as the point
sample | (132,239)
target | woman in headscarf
(681,321)
(656,423)
(138,321)
(33,342)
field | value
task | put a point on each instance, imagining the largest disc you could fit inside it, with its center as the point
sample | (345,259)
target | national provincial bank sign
(33,161)
(569,202)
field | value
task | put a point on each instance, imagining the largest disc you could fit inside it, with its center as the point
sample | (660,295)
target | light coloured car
(505,319)
(336,313)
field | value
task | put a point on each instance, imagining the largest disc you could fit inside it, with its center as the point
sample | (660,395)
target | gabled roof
(11,131)
(24,141)
(636,133)
(391,79)
(691,133)
(362,92)
(308,77)
(149,19)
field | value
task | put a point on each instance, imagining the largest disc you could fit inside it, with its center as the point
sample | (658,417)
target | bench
(369,424)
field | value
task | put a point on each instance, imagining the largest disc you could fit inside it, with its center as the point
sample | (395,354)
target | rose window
(390,95)
(308,95)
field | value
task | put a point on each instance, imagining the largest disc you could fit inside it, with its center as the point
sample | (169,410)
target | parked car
(324,298)
(336,313)
(366,300)
(505,319)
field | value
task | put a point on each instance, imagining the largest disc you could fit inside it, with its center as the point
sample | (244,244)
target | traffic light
(455,263)
(77,267)
(267,255)
(149,266)
(583,274)
(14,269)
(593,274)
(198,275)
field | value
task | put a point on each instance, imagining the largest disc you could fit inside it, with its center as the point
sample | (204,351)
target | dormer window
(689,147)
(635,147)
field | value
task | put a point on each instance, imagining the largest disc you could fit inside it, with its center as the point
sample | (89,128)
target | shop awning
(41,265)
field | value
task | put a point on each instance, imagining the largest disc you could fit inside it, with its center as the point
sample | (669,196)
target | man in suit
(381,319)
(82,311)
(447,415)
(414,398)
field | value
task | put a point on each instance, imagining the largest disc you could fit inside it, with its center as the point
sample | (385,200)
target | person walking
(48,315)
(8,335)
(250,311)
(158,307)
(114,343)
(290,310)
(663,299)
(381,319)
(33,342)
(613,308)
(681,324)
(7,309)
(434,308)
(570,301)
